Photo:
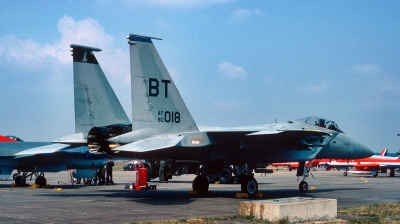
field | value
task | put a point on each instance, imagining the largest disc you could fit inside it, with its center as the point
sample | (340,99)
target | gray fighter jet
(95,105)
(162,128)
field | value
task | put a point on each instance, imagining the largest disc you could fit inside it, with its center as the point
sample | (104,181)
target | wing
(153,143)
(304,139)
(47,149)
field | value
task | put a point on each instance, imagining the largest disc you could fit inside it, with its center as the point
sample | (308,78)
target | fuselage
(280,142)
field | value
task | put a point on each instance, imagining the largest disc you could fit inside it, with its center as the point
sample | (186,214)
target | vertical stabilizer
(96,104)
(156,102)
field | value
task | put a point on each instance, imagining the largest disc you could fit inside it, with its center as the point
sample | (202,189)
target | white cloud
(242,14)
(229,106)
(366,69)
(26,52)
(53,59)
(84,32)
(315,88)
(232,71)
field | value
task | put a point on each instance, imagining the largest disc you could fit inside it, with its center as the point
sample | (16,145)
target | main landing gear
(21,176)
(248,184)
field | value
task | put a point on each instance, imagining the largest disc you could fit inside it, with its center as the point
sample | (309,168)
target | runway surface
(171,201)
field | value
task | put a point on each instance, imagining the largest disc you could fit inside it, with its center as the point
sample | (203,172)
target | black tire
(41,181)
(303,186)
(200,184)
(345,174)
(243,181)
(225,177)
(249,186)
(19,182)
(15,175)
(211,178)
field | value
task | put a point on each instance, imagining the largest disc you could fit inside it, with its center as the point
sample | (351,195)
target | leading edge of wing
(42,150)
(300,133)
(152,143)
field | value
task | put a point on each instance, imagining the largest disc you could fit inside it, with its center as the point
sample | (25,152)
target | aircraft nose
(361,150)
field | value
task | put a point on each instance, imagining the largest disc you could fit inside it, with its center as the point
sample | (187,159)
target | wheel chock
(57,189)
(34,186)
(313,188)
(246,195)
(198,192)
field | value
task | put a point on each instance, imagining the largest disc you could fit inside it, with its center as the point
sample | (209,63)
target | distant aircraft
(294,165)
(6,139)
(370,165)
(95,105)
(315,162)
(162,128)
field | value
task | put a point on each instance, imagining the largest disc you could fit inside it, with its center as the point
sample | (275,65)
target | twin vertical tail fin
(157,105)
(96,104)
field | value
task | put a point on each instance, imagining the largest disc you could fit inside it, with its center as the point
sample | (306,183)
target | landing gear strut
(303,171)
(248,184)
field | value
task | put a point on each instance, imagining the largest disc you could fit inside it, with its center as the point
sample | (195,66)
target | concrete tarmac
(171,201)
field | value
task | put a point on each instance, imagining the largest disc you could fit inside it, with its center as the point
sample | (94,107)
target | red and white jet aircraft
(294,165)
(370,165)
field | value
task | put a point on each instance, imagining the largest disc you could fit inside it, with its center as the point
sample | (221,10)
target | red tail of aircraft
(6,139)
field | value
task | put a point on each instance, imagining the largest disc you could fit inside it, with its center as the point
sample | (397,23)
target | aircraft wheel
(211,178)
(303,186)
(249,185)
(92,181)
(15,175)
(345,174)
(200,183)
(19,182)
(225,176)
(41,181)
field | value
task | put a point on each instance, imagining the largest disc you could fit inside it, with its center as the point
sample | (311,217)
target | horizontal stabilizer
(153,143)
(77,138)
(42,150)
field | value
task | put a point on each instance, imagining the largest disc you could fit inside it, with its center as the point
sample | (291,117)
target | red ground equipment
(141,177)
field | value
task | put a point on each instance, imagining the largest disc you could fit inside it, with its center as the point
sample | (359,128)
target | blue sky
(234,62)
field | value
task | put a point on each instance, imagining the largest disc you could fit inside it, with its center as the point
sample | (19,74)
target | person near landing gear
(109,168)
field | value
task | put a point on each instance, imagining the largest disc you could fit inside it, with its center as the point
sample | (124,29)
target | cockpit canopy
(321,122)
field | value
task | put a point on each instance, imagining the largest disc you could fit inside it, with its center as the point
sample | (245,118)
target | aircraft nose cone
(362,151)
